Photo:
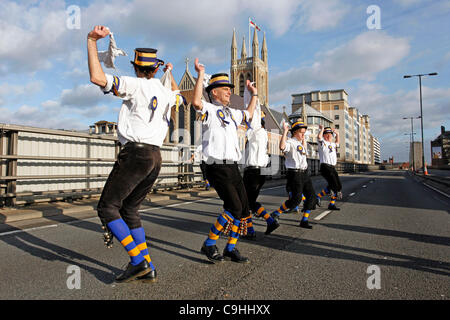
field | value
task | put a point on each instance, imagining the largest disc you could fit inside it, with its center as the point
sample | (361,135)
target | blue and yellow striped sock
(262,213)
(250,229)
(306,215)
(121,231)
(217,228)
(234,235)
(138,235)
(323,193)
(333,199)
(281,209)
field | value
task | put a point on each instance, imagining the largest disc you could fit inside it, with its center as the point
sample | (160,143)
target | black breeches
(331,176)
(299,183)
(227,181)
(253,181)
(130,180)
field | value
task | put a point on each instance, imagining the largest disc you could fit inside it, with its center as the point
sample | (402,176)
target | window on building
(310,120)
(336,117)
(336,107)
(336,126)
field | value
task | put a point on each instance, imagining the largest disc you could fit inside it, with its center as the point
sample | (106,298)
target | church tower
(254,68)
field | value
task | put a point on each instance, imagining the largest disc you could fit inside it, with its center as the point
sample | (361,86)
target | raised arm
(337,136)
(96,73)
(198,89)
(284,137)
(173,83)
(320,135)
(254,92)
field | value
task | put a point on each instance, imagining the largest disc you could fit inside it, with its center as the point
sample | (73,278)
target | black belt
(140,145)
(326,164)
(253,167)
(298,170)
(218,161)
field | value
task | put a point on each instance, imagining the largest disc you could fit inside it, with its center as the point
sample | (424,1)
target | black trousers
(130,180)
(227,181)
(253,182)
(330,174)
(300,183)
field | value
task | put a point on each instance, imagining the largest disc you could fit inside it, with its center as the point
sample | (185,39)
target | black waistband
(297,170)
(141,145)
(218,161)
(327,165)
(253,167)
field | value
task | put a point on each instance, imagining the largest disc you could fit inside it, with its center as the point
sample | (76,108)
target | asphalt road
(390,226)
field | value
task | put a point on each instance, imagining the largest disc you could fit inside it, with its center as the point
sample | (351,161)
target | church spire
(264,49)
(255,45)
(233,47)
(244,49)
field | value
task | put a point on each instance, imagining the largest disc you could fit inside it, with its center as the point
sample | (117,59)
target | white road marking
(437,190)
(323,214)
(29,229)
(352,194)
(364,186)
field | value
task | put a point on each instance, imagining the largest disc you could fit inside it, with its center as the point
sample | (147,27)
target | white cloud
(387,110)
(81,96)
(321,15)
(13,92)
(33,116)
(359,59)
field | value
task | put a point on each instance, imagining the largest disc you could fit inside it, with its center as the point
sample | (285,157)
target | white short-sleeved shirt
(256,149)
(145,113)
(327,152)
(219,131)
(295,154)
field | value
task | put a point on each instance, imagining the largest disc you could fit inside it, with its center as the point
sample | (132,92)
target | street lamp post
(421,113)
(412,142)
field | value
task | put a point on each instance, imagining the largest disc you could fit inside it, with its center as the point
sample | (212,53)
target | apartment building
(354,128)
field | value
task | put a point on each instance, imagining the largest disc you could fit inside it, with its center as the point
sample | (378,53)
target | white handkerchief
(108,57)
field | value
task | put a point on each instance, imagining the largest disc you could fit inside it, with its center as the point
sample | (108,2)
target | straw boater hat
(146,57)
(327,130)
(219,80)
(298,125)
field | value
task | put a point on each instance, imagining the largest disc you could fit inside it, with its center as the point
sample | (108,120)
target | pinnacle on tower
(244,49)
(264,49)
(234,47)
(255,45)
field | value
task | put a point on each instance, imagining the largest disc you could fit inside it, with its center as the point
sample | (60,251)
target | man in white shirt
(142,125)
(220,147)
(256,159)
(298,180)
(328,160)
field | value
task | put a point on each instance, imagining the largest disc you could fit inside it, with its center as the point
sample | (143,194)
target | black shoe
(249,236)
(212,253)
(235,256)
(149,277)
(274,216)
(271,227)
(133,272)
(305,224)
(333,207)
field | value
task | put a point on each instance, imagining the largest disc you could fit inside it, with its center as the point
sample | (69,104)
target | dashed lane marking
(322,215)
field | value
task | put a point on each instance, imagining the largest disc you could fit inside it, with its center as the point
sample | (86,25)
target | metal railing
(33,164)
(42,165)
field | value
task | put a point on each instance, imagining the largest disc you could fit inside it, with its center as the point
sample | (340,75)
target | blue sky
(313,45)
